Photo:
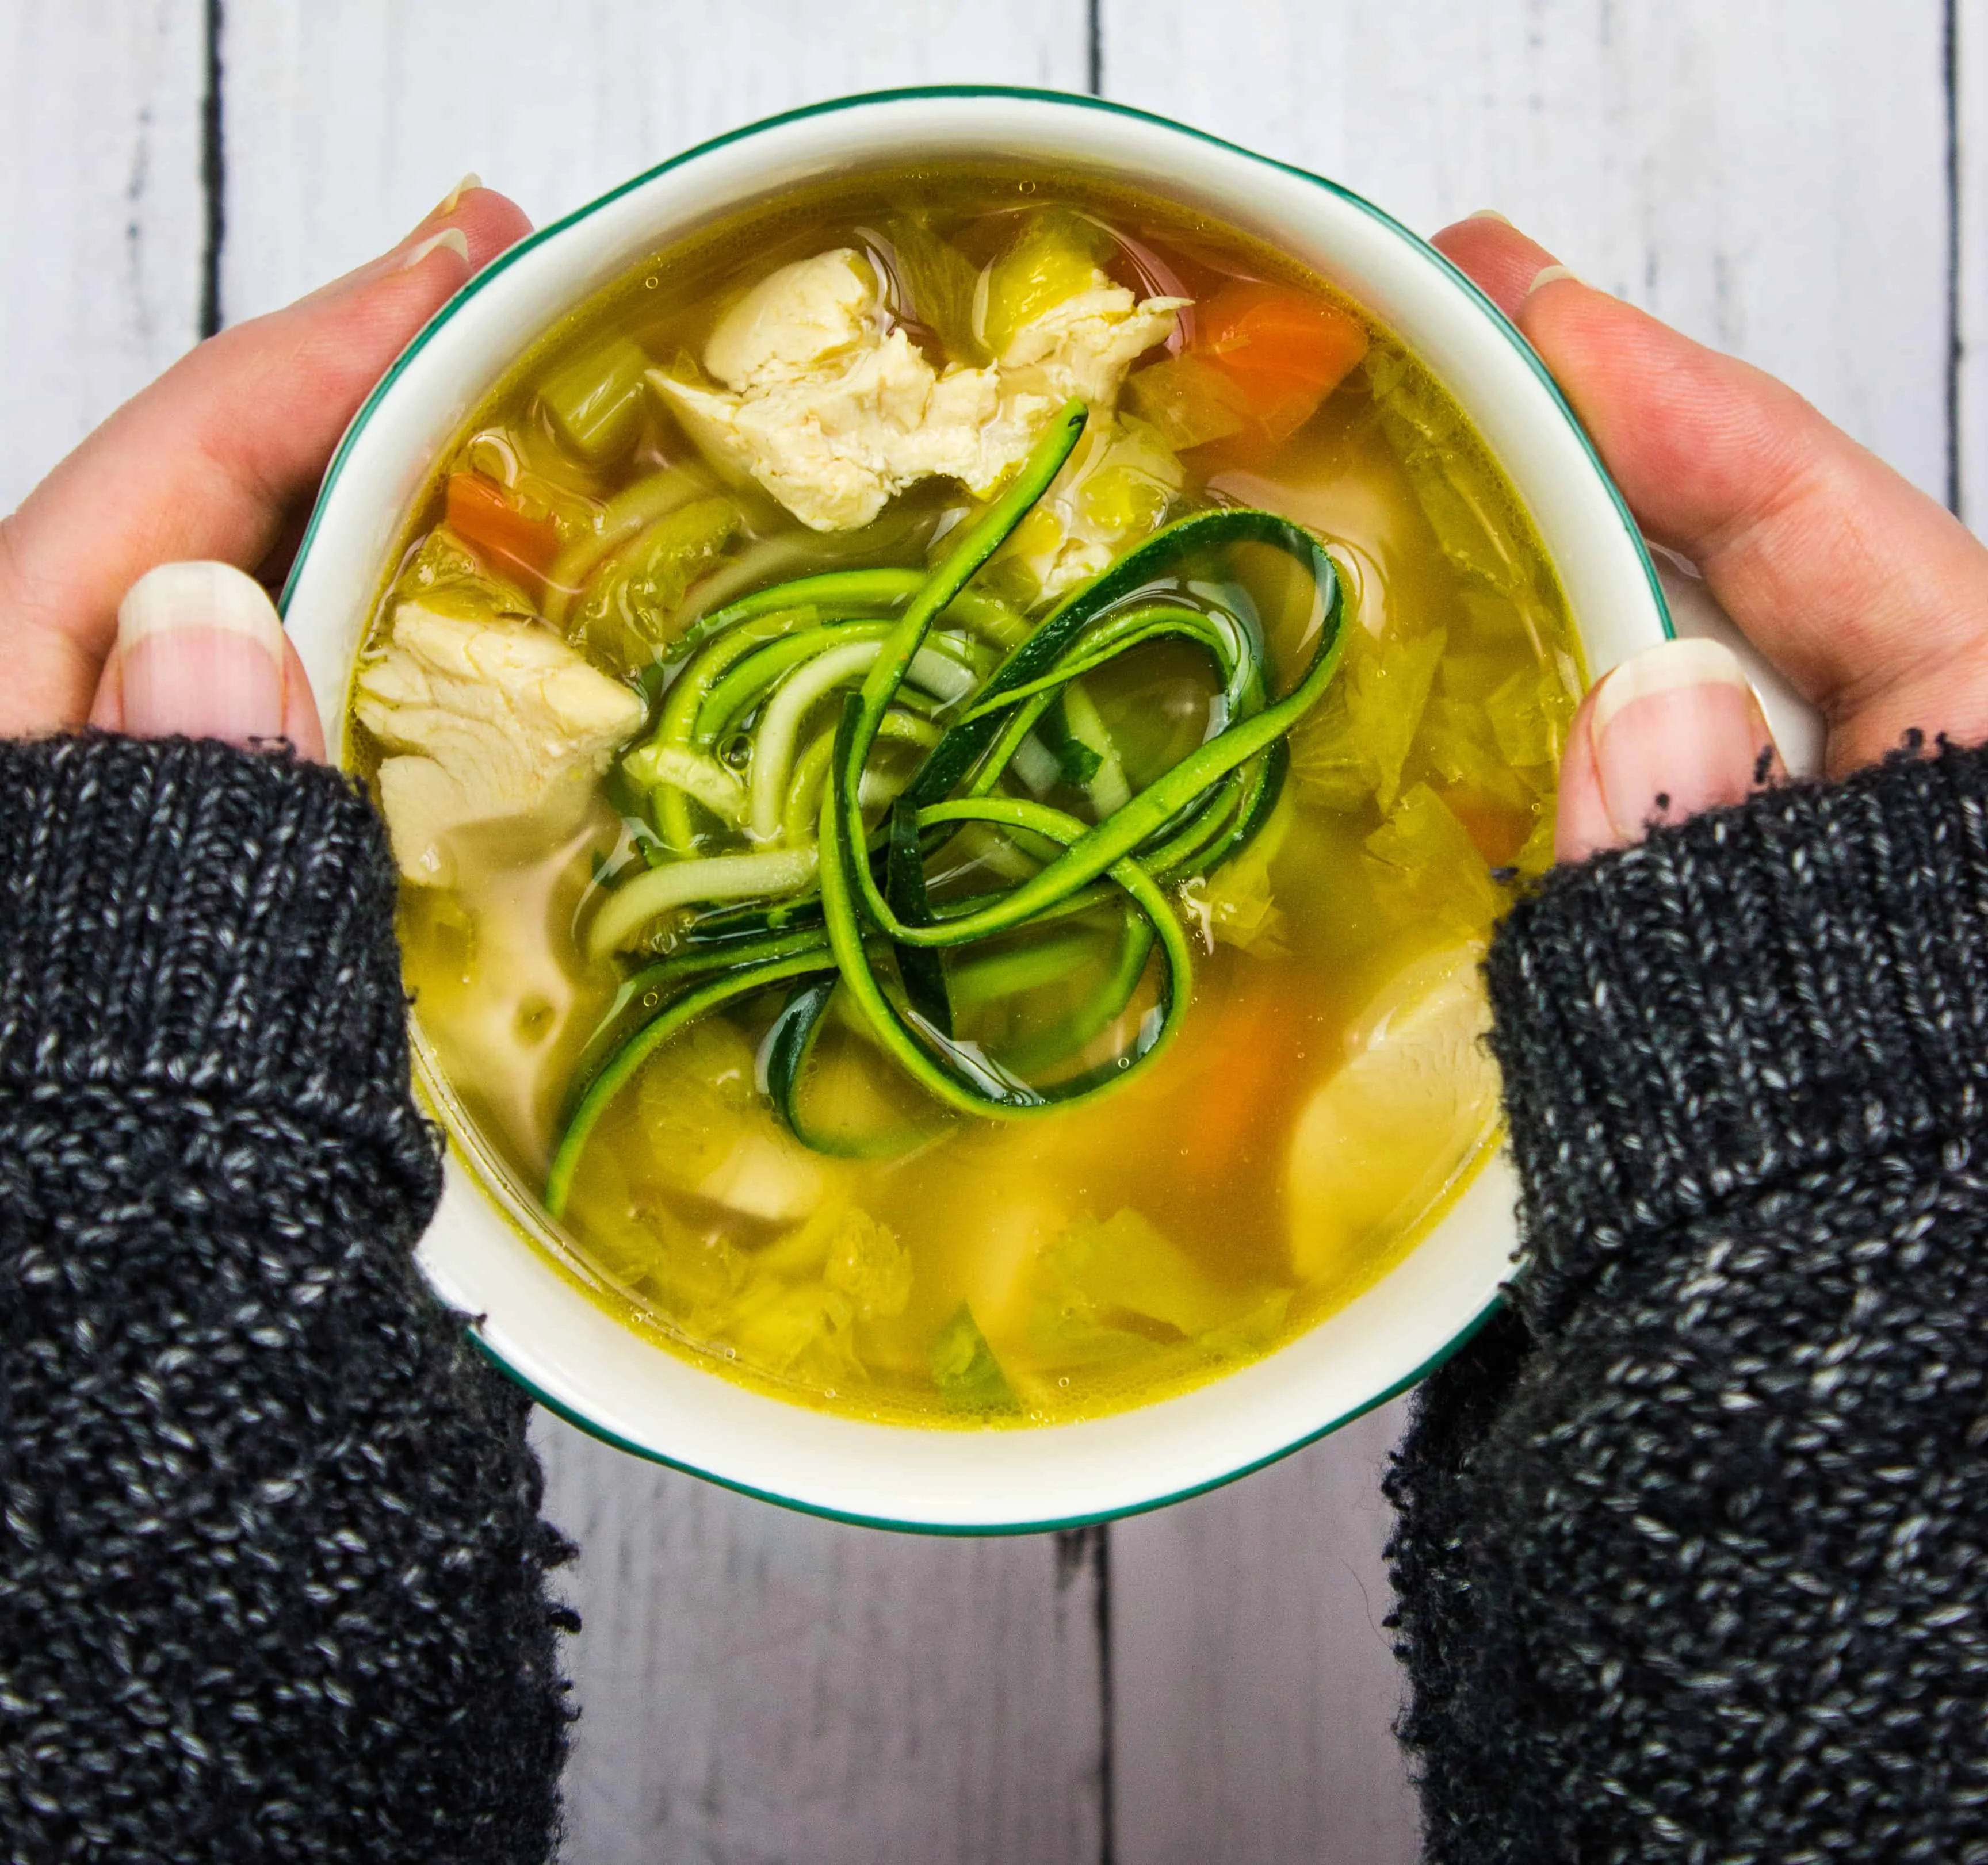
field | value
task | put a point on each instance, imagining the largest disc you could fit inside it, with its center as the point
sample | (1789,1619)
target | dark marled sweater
(1693,1551)
(272,1573)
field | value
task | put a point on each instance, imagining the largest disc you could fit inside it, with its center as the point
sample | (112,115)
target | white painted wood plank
(348,123)
(1970,74)
(1255,1687)
(758,1686)
(1768,174)
(101,214)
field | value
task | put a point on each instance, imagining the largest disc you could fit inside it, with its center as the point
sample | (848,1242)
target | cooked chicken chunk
(1083,346)
(488,721)
(833,415)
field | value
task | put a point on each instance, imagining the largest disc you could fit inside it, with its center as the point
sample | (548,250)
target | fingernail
(453,199)
(200,652)
(1488,214)
(453,238)
(1675,730)
(1547,274)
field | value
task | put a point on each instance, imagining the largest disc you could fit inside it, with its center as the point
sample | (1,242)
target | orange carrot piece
(484,516)
(1285,349)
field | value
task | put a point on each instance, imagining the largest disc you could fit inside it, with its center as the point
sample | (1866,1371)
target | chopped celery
(1455,491)
(1472,677)
(789,1328)
(448,578)
(1529,714)
(1252,1331)
(1114,1290)
(868,1263)
(1388,696)
(940,281)
(1458,740)
(1423,864)
(709,1133)
(1188,400)
(1498,623)
(1240,908)
(1460,508)
(1536,854)
(594,402)
(1121,499)
(694,1100)
(1326,759)
(624,517)
(964,1368)
(1056,255)
(1360,745)
(628,614)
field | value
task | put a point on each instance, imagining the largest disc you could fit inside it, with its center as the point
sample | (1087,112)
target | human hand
(1870,598)
(219,460)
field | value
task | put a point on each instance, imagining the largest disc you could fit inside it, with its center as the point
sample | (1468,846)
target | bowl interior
(491,1254)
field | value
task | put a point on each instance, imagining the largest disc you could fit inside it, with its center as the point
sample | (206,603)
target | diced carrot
(486,517)
(1499,832)
(1285,350)
(1229,1102)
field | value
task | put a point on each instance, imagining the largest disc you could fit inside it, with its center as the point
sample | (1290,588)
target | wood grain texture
(758,1686)
(346,124)
(1970,303)
(1255,1686)
(1769,175)
(101,214)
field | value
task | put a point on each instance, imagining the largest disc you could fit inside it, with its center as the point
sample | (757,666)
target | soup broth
(1131,1139)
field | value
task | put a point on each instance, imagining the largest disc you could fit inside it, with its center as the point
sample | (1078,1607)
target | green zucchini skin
(869,898)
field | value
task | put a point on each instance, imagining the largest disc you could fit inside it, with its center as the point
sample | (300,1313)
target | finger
(200,652)
(1872,598)
(1502,260)
(1671,731)
(301,726)
(1581,826)
(212,460)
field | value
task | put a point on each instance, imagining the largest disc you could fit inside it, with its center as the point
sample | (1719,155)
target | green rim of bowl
(1019,94)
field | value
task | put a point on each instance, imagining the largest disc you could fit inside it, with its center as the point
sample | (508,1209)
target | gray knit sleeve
(272,1581)
(1693,1542)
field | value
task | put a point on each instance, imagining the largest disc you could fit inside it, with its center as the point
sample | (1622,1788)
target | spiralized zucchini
(841,911)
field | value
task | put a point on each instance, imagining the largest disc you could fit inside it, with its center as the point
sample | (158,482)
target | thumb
(1672,731)
(220,458)
(200,652)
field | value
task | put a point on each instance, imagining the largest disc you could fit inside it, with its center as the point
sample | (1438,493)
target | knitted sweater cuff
(185,920)
(1754,995)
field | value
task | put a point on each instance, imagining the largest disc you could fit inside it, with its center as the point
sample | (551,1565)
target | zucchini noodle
(932,669)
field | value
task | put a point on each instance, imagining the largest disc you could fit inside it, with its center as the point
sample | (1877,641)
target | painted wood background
(1802,181)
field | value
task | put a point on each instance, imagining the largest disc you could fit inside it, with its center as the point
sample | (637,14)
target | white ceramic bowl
(489,1254)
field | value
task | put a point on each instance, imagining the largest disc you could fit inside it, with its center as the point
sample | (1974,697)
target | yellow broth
(1047,1270)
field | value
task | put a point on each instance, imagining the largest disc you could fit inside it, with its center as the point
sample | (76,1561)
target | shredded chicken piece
(1083,346)
(488,720)
(834,415)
